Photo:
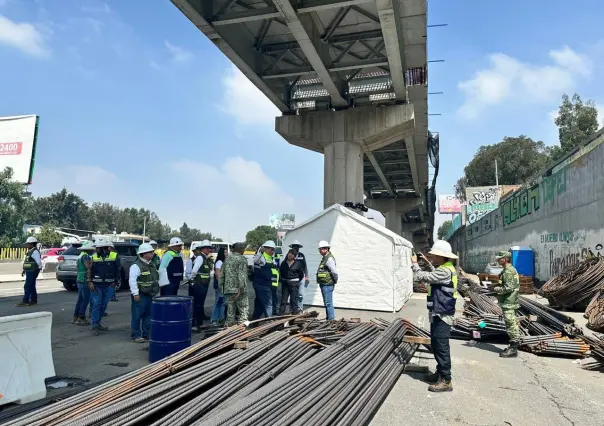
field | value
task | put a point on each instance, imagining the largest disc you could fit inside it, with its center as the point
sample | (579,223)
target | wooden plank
(240,345)
(414,368)
(416,339)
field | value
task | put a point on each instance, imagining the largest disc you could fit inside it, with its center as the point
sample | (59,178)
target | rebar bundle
(554,319)
(576,285)
(280,376)
(595,312)
(561,347)
(596,344)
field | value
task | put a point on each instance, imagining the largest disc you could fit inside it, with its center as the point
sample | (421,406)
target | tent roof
(397,239)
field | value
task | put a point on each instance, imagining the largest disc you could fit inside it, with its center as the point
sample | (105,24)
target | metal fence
(12,253)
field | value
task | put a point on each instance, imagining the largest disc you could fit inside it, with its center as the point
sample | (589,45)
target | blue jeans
(99,298)
(170,289)
(218,313)
(276,292)
(141,317)
(327,292)
(30,295)
(111,292)
(263,303)
(83,300)
(301,291)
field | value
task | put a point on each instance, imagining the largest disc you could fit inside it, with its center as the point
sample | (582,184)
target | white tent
(374,263)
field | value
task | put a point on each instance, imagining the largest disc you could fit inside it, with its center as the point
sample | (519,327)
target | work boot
(96,331)
(101,328)
(83,321)
(511,351)
(442,386)
(75,320)
(432,377)
(22,304)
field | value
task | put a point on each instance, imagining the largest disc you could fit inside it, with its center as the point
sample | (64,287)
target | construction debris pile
(596,359)
(576,285)
(277,372)
(595,312)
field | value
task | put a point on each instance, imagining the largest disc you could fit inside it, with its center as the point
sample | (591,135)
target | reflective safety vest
(267,273)
(156,261)
(82,270)
(323,275)
(443,296)
(203,275)
(148,280)
(176,267)
(29,264)
(104,269)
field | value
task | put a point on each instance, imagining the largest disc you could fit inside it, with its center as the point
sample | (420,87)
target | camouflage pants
(511,324)
(237,305)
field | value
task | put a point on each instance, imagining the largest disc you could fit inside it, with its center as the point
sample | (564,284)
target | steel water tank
(171,318)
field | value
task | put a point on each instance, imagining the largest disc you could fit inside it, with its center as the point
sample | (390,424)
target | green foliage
(443,229)
(49,236)
(576,121)
(189,235)
(258,236)
(12,205)
(518,159)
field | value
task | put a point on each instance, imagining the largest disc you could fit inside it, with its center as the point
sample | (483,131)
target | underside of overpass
(350,79)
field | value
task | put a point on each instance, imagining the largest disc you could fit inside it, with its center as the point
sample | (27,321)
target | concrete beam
(390,21)
(372,127)
(379,172)
(334,68)
(244,65)
(412,162)
(400,205)
(310,45)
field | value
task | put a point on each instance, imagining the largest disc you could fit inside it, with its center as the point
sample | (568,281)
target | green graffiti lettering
(524,203)
(533,196)
(506,213)
(515,209)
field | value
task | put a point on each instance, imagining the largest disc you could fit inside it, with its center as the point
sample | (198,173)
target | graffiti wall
(480,201)
(560,216)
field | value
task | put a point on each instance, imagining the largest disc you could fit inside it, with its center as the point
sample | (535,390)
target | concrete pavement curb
(10,278)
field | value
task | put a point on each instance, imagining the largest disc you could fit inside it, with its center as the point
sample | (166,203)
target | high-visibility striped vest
(104,269)
(442,297)
(323,275)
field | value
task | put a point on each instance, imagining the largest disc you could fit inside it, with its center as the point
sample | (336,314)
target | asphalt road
(488,390)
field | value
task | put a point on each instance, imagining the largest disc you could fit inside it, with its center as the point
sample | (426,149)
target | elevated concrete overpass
(350,79)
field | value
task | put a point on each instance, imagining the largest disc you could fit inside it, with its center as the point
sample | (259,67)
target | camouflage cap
(504,255)
(239,246)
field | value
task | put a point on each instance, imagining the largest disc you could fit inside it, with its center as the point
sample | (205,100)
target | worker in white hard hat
(118,284)
(144,286)
(101,276)
(300,263)
(442,298)
(171,268)
(265,278)
(201,275)
(32,265)
(327,278)
(156,259)
(83,263)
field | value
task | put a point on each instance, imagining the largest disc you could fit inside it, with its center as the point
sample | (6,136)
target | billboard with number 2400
(18,145)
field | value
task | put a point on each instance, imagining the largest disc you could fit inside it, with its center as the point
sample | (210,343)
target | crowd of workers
(441,301)
(276,283)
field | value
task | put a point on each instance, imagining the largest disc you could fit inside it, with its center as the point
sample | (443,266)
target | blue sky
(138,108)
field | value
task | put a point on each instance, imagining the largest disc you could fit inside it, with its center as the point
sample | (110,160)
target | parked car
(52,255)
(67,270)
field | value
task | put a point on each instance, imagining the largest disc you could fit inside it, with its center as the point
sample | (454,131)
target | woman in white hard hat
(327,278)
(144,285)
(442,297)
(171,268)
(32,265)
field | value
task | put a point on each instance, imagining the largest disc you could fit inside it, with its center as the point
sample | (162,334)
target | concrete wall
(561,217)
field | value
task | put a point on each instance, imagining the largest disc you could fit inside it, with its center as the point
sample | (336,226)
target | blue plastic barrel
(171,318)
(523,259)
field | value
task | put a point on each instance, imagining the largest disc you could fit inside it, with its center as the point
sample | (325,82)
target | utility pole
(144,227)
(496,175)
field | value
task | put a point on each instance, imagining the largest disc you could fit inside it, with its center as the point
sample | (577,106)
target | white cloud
(179,54)
(508,79)
(239,194)
(245,102)
(95,7)
(23,36)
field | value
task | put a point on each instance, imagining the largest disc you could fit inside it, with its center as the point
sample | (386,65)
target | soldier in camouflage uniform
(507,297)
(233,284)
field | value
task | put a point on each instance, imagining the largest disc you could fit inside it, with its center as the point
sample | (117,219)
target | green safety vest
(203,274)
(323,275)
(274,270)
(29,264)
(442,297)
(103,271)
(82,270)
(148,280)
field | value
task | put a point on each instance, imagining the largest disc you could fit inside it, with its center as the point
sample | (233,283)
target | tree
(63,208)
(49,236)
(443,229)
(519,159)
(258,236)
(576,121)
(12,205)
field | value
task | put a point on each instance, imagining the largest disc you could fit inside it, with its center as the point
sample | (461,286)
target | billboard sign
(448,204)
(18,145)
(282,221)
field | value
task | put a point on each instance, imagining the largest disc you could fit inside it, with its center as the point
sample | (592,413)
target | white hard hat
(175,241)
(204,244)
(103,243)
(88,245)
(32,240)
(443,248)
(296,243)
(194,246)
(269,243)
(153,242)
(144,248)
(324,244)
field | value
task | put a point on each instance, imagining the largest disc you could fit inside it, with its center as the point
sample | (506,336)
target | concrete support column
(343,178)
(394,222)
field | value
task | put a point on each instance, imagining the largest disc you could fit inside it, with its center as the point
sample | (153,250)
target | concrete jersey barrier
(25,357)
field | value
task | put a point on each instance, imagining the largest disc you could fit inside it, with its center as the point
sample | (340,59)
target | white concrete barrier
(25,357)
